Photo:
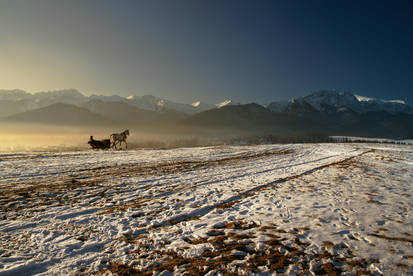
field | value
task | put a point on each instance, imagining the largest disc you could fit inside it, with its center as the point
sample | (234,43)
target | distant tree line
(368,140)
(309,138)
(283,139)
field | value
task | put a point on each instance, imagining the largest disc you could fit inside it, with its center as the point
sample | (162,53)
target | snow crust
(81,212)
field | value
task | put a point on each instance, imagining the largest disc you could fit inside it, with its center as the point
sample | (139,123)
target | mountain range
(326,112)
(333,102)
(16,101)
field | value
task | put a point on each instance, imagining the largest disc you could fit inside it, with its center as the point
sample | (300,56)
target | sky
(189,50)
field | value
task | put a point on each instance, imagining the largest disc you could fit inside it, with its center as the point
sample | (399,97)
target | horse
(118,138)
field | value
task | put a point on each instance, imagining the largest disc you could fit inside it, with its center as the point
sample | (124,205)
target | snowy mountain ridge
(153,103)
(326,112)
(331,101)
(324,101)
(24,101)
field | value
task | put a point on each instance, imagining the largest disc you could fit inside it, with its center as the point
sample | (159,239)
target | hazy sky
(208,50)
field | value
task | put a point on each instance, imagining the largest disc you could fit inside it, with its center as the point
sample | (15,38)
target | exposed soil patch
(401,239)
(233,251)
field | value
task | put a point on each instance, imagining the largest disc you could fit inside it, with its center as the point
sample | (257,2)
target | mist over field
(20,137)
(38,137)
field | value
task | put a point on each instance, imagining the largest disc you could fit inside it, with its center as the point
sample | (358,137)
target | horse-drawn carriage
(99,144)
(114,141)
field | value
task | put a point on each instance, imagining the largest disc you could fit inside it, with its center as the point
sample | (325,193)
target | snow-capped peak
(366,99)
(224,103)
(362,98)
(396,101)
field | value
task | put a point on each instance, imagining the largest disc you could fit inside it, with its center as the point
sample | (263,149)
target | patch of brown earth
(402,239)
(232,251)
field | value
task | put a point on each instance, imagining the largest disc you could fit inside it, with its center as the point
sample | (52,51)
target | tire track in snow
(245,174)
(160,193)
(238,167)
(240,172)
(233,199)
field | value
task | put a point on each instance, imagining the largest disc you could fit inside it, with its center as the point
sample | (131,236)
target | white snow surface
(215,209)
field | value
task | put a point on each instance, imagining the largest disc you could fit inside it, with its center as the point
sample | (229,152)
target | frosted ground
(309,209)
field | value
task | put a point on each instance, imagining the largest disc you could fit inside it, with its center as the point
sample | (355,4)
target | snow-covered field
(312,208)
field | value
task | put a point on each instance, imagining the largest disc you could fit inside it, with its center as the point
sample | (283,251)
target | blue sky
(248,51)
